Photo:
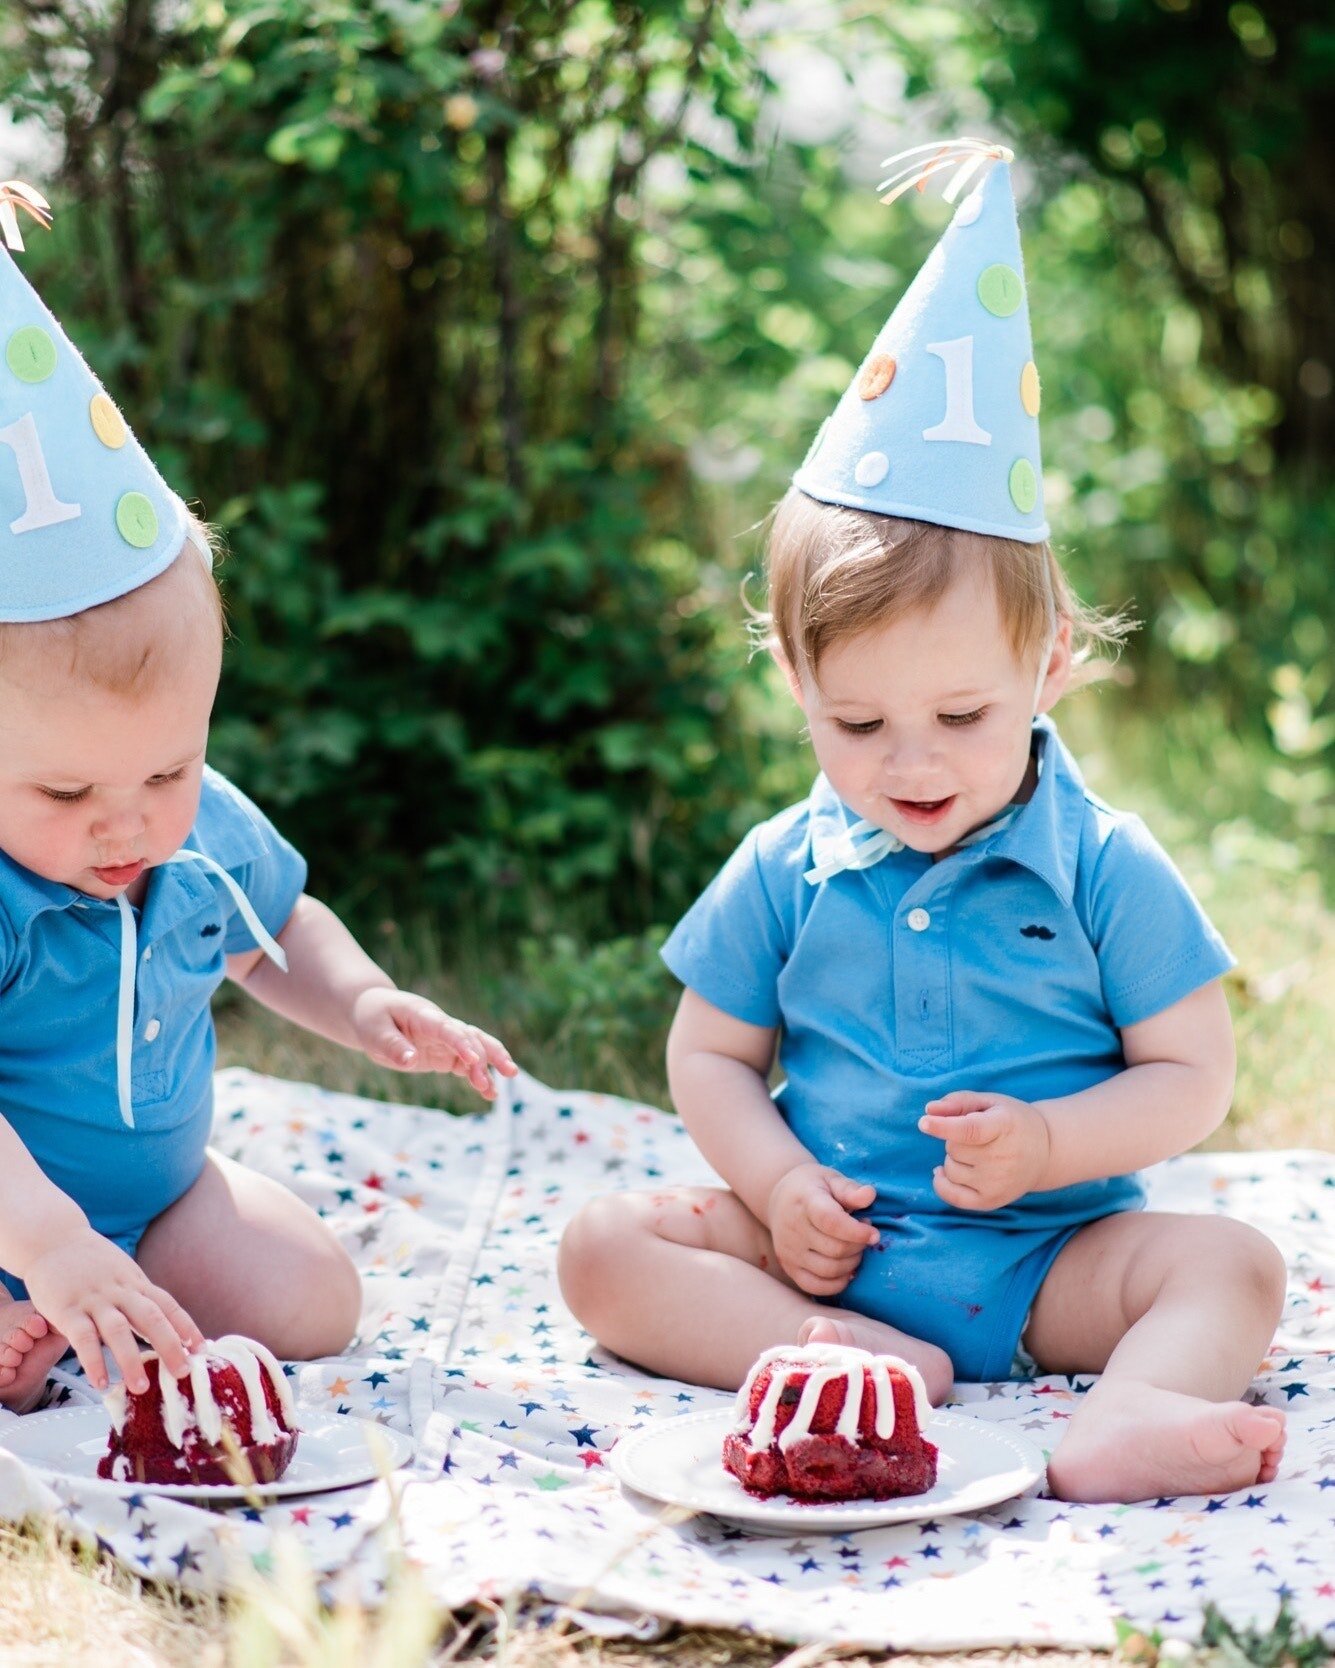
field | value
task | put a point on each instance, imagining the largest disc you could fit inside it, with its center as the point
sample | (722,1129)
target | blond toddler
(990,997)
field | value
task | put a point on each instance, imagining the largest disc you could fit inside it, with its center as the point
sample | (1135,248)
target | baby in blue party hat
(992,997)
(133,880)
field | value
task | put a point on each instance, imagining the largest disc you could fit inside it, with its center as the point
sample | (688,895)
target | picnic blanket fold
(465,1343)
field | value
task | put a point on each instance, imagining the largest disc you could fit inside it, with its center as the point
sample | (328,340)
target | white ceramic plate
(680,1461)
(335,1450)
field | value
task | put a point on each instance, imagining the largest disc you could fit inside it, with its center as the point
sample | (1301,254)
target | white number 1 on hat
(41,506)
(959,422)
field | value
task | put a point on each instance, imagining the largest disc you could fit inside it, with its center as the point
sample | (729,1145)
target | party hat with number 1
(940,423)
(84,515)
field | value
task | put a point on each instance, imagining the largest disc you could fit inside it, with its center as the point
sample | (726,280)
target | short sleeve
(730,946)
(267,868)
(273,883)
(1154,942)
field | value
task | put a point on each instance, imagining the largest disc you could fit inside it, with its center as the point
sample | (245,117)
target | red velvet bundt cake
(829,1423)
(231,1411)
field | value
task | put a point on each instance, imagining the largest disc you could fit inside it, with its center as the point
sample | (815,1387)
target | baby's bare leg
(243,1254)
(1175,1312)
(685,1282)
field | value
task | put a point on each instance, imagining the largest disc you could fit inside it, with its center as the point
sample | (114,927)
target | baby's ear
(1057,676)
(790,676)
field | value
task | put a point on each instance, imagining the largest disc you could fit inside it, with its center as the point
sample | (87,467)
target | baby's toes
(7,1376)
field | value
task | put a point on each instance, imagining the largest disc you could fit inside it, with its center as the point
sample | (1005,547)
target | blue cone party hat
(940,423)
(84,515)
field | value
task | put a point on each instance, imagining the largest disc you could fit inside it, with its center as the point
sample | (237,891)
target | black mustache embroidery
(1037,932)
(213,929)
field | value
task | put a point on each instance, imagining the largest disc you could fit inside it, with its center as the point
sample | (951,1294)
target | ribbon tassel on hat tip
(15,195)
(965,155)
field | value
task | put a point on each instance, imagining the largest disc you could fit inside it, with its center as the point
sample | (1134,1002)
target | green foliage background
(486,331)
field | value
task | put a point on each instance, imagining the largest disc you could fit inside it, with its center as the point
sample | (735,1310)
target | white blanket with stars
(465,1344)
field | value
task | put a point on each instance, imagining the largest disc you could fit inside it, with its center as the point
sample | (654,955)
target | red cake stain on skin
(829,1423)
(229,1420)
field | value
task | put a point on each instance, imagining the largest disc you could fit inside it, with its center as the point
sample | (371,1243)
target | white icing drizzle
(114,1397)
(824,1364)
(206,1416)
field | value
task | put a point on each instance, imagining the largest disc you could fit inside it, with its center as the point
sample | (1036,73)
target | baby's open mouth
(923,810)
(120,874)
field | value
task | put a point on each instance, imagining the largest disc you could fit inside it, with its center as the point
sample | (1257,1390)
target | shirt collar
(27,894)
(1044,835)
(1041,835)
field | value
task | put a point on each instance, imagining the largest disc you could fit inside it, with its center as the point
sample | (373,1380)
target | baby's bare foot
(1133,1441)
(29,1348)
(860,1332)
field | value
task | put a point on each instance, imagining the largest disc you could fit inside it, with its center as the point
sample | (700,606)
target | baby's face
(923,725)
(95,787)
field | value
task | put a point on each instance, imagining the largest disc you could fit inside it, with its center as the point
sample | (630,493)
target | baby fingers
(956,1193)
(820,1285)
(86,1343)
(164,1325)
(831,1219)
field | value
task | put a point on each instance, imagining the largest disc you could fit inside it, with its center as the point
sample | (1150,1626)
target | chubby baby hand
(997,1148)
(94,1293)
(816,1239)
(408,1033)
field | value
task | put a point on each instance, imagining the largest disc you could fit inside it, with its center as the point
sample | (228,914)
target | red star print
(302,1515)
(375,1181)
(896,1563)
(581,1137)
(591,1458)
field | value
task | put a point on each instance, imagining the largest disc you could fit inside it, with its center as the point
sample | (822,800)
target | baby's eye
(958,718)
(61,797)
(864,729)
(171,776)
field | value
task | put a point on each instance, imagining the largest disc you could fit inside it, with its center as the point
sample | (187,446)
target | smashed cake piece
(824,1422)
(230,1419)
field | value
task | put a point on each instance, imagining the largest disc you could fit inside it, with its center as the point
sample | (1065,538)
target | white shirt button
(148,953)
(919,920)
(151,1029)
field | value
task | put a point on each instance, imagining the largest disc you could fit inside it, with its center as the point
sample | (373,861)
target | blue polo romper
(1009,966)
(59,979)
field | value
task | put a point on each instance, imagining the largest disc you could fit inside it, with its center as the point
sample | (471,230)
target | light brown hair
(834,572)
(126,646)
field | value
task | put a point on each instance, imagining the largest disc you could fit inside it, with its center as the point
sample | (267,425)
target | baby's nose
(909,756)
(119,824)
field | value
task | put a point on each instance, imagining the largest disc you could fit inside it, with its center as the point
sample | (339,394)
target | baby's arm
(1175,1090)
(332,987)
(717,1071)
(82,1285)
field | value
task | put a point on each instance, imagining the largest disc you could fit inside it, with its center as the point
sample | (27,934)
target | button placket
(922,969)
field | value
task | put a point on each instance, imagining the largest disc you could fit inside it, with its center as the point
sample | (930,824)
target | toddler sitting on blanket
(993,997)
(133,879)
